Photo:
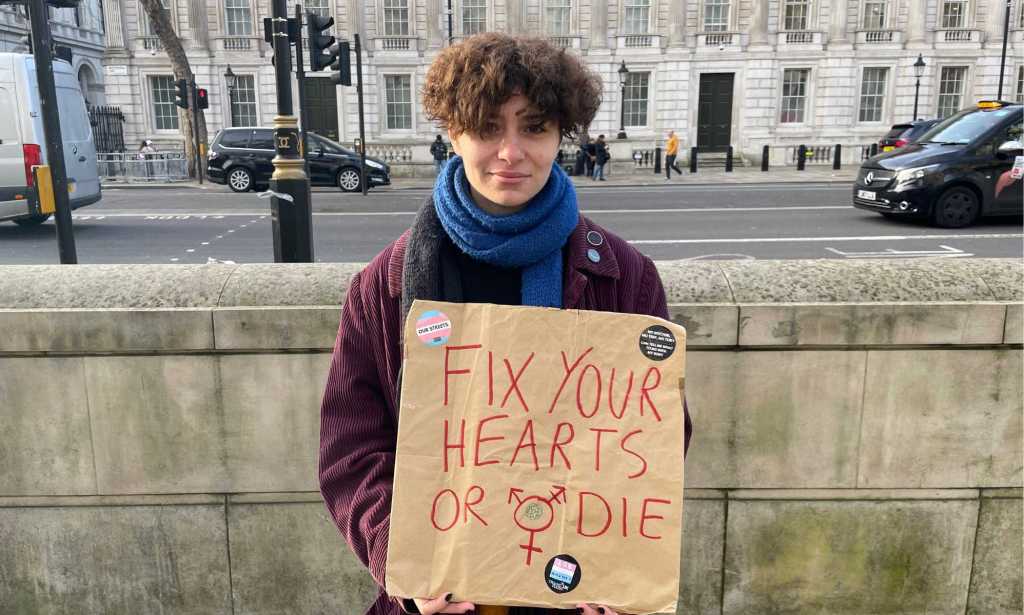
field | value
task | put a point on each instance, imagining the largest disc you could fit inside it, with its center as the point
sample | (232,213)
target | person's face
(511,160)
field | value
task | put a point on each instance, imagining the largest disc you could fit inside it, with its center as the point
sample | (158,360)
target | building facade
(79,28)
(745,73)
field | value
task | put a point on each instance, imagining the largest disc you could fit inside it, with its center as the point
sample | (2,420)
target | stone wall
(857,438)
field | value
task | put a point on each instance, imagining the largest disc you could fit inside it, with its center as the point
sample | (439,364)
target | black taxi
(966,166)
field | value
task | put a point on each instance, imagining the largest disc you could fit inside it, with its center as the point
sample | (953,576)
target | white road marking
(190,250)
(945,252)
(816,239)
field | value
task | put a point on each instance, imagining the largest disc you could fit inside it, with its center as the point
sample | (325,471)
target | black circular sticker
(562,574)
(657,343)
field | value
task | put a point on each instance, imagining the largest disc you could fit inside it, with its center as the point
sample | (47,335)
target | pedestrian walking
(671,150)
(601,158)
(500,226)
(582,157)
(146,156)
(440,153)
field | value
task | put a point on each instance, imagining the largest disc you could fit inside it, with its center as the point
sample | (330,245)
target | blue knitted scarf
(530,239)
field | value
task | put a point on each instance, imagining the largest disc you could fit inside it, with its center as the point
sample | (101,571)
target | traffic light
(343,64)
(319,42)
(202,100)
(181,93)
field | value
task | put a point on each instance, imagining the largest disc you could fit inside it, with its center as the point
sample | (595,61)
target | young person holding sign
(503,226)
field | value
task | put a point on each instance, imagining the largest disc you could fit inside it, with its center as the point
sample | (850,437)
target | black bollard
(874,149)
(693,160)
(837,159)
(801,157)
(728,160)
(657,160)
(764,158)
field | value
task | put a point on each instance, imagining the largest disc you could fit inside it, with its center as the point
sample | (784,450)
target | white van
(22,143)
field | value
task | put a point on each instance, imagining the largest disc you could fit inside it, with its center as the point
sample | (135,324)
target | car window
(966,126)
(262,138)
(896,131)
(234,138)
(324,144)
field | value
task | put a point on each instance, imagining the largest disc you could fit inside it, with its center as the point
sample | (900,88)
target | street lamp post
(1002,61)
(230,79)
(918,71)
(623,71)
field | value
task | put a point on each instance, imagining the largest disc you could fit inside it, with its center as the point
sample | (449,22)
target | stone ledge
(58,501)
(854,494)
(93,330)
(686,282)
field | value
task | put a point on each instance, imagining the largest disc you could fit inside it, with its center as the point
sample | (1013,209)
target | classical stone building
(719,72)
(79,28)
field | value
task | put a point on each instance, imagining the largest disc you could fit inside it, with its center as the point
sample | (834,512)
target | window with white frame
(954,14)
(794,95)
(165,112)
(147,24)
(951,90)
(396,17)
(716,15)
(237,18)
(558,15)
(796,15)
(398,101)
(635,101)
(320,8)
(875,14)
(1020,84)
(243,101)
(636,16)
(872,94)
(474,17)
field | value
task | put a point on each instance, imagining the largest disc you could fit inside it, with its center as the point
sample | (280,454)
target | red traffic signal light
(202,99)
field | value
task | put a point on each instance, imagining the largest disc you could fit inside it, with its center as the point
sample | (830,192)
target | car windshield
(966,126)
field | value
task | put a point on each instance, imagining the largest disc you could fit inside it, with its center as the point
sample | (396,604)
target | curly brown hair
(468,82)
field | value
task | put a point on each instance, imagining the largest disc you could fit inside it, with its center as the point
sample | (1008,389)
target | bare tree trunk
(179,64)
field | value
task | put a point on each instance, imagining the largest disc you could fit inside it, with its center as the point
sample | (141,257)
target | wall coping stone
(686,282)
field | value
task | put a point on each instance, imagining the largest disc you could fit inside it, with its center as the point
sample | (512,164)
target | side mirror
(1011,148)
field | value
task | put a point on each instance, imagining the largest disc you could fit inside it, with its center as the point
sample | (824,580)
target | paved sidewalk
(741,175)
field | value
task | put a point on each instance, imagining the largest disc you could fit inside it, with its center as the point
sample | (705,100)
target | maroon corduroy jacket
(359,415)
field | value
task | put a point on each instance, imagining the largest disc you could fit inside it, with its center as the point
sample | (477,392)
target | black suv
(242,159)
(966,166)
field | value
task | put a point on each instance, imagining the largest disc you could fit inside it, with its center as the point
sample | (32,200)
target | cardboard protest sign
(540,458)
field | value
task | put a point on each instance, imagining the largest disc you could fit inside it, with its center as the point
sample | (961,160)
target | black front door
(714,111)
(322,103)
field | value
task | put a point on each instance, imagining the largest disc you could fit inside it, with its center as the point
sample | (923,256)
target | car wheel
(956,208)
(32,220)
(348,180)
(239,179)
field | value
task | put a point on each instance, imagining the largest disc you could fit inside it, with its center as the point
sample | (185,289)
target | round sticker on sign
(657,343)
(562,574)
(433,328)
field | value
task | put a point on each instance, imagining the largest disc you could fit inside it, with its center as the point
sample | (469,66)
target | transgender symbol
(535,514)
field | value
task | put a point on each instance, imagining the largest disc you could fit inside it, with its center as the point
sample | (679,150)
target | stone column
(677,22)
(759,23)
(113,29)
(838,21)
(599,24)
(917,14)
(994,21)
(516,15)
(437,23)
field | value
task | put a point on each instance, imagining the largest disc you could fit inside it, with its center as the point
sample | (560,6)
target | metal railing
(133,167)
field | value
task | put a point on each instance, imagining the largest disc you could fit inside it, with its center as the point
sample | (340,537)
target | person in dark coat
(601,157)
(502,226)
(440,153)
(582,157)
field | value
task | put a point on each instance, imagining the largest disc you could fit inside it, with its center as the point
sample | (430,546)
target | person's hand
(595,609)
(444,604)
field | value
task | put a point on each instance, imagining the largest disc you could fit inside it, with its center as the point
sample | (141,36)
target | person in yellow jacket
(671,151)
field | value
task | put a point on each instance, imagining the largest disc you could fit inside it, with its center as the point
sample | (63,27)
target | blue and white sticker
(562,574)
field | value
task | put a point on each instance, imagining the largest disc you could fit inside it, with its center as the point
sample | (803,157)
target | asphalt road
(671,221)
